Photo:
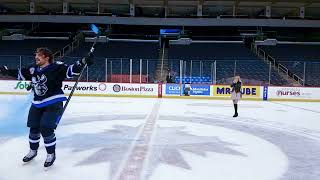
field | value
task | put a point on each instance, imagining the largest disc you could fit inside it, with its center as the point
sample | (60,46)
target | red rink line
(133,167)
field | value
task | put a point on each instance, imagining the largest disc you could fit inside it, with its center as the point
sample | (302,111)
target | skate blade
(26,163)
(48,168)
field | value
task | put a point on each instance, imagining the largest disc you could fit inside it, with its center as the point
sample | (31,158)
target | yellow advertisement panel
(246,91)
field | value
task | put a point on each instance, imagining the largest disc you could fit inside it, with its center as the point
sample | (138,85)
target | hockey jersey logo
(31,70)
(39,85)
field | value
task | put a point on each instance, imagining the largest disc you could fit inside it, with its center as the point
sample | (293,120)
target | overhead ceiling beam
(308,3)
(233,22)
(273,2)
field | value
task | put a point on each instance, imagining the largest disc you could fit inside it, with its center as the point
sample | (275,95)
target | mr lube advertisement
(246,91)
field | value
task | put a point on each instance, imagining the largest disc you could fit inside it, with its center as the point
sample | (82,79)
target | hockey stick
(95,29)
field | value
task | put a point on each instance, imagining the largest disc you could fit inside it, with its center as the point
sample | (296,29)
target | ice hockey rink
(104,138)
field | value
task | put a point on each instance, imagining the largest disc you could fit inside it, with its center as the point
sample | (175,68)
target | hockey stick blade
(94,28)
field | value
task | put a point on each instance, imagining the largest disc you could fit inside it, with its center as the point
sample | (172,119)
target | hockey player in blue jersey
(46,78)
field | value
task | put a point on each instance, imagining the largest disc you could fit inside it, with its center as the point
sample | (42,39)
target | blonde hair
(237,78)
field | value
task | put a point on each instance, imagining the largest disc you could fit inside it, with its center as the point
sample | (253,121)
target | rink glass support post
(106,69)
(20,63)
(191,72)
(184,69)
(304,73)
(87,73)
(140,70)
(147,71)
(200,71)
(270,64)
(111,70)
(235,68)
(215,72)
(181,66)
(121,71)
(130,70)
(211,73)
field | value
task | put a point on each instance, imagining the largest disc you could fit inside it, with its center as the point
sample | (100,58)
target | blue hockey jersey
(47,82)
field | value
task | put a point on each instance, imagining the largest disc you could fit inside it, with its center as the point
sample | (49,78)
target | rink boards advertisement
(267,93)
(293,93)
(224,91)
(132,89)
(88,88)
(179,90)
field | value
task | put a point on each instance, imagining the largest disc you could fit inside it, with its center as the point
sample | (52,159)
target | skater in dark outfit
(46,78)
(236,94)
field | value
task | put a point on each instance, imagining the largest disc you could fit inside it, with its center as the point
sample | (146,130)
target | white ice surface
(259,163)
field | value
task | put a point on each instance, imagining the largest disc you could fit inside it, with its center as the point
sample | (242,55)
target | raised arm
(69,71)
(20,74)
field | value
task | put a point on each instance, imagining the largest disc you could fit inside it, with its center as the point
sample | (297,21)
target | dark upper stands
(294,57)
(209,51)
(247,65)
(27,47)
(134,50)
(284,52)
(202,56)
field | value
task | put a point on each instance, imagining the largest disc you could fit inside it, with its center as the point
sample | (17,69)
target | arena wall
(197,91)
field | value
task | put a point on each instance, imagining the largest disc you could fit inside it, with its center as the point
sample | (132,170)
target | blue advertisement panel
(265,93)
(173,89)
(195,90)
(200,90)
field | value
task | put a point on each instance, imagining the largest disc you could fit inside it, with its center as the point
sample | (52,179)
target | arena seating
(118,55)
(134,50)
(28,47)
(203,55)
(294,57)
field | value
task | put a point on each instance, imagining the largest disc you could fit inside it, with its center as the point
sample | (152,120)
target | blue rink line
(13,123)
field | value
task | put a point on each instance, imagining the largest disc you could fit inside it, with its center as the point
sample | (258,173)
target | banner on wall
(88,88)
(195,89)
(293,93)
(246,91)
(12,86)
(120,89)
(202,90)
(132,89)
(173,89)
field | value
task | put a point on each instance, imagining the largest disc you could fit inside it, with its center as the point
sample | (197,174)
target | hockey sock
(34,138)
(49,140)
